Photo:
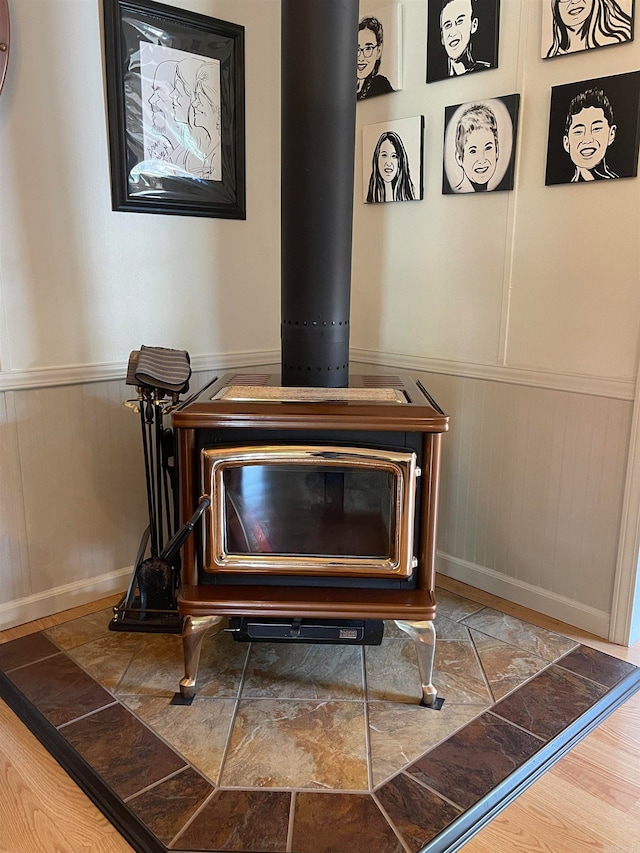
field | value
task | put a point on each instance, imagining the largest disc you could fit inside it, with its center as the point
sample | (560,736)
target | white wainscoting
(72,495)
(531,500)
(531,494)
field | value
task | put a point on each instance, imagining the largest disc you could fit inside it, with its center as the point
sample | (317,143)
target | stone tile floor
(309,748)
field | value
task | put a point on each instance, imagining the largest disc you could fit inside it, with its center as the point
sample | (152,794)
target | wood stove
(323,506)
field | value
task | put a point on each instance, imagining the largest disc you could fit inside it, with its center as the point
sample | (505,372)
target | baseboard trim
(533,597)
(51,601)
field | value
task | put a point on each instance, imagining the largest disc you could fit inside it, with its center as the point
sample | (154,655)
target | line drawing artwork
(379,66)
(180,95)
(594,126)
(462,37)
(479,146)
(569,26)
(394,152)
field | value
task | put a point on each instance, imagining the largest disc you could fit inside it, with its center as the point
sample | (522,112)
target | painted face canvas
(379,70)
(462,37)
(392,164)
(479,145)
(593,130)
(569,26)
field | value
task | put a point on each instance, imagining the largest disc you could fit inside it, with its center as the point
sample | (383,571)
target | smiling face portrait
(394,151)
(477,145)
(369,53)
(462,37)
(589,132)
(478,154)
(573,13)
(573,25)
(457,24)
(594,130)
(387,161)
(369,80)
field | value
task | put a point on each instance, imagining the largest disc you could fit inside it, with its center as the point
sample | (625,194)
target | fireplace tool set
(160,375)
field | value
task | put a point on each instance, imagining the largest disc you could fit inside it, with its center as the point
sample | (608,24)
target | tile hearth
(309,748)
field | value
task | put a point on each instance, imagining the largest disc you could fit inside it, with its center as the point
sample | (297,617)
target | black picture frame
(194,166)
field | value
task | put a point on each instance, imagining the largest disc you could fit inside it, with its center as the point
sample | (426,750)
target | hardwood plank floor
(589,801)
(41,809)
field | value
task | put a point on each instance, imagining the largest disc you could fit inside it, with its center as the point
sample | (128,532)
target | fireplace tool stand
(149,604)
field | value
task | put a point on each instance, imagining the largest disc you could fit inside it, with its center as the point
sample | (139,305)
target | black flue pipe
(319,63)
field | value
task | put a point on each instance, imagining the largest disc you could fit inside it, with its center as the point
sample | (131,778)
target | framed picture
(379,70)
(175,97)
(480,145)
(569,26)
(594,128)
(462,37)
(392,166)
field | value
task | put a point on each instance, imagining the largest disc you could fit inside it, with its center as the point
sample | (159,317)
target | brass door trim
(401,464)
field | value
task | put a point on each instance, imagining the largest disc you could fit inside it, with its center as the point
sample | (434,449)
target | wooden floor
(589,801)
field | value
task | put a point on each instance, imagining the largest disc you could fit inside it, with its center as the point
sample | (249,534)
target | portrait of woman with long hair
(392,160)
(585,24)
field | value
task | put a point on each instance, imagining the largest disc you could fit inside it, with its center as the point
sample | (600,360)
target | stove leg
(423,635)
(193,633)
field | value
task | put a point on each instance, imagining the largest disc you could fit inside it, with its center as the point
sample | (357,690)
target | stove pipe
(319,56)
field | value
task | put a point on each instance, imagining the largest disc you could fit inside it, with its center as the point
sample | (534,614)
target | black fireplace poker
(319,68)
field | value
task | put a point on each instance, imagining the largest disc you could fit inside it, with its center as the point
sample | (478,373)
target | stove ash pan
(330,488)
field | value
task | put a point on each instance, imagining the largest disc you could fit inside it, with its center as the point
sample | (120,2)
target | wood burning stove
(323,506)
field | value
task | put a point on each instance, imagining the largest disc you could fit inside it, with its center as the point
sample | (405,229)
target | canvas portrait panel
(569,26)
(379,70)
(392,165)
(480,145)
(462,37)
(593,130)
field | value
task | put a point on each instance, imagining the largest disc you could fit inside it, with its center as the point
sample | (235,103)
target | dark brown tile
(417,813)
(474,760)
(122,750)
(25,650)
(59,689)
(166,808)
(549,702)
(247,821)
(341,823)
(596,665)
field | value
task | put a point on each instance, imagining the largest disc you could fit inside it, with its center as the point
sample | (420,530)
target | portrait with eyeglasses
(379,66)
(569,26)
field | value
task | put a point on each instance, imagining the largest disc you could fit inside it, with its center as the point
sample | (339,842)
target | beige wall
(520,319)
(82,285)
